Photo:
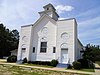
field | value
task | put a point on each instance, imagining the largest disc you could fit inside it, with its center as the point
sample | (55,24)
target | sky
(16,13)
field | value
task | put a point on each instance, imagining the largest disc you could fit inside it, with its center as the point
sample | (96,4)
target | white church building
(49,38)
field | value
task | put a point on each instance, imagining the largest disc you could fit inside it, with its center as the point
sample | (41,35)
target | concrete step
(19,62)
(60,65)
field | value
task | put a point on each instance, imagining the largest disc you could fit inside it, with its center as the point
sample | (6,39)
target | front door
(23,54)
(64,56)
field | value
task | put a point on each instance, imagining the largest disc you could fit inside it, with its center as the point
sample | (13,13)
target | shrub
(40,62)
(91,65)
(84,63)
(77,65)
(69,66)
(12,58)
(44,63)
(25,60)
(29,62)
(54,63)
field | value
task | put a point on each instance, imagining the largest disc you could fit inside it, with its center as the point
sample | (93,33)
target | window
(33,49)
(64,36)
(23,48)
(43,47)
(64,46)
(47,8)
(24,39)
(44,30)
(54,49)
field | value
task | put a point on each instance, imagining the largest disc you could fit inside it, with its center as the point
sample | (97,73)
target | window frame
(23,49)
(43,47)
(54,49)
(64,36)
(33,50)
(47,8)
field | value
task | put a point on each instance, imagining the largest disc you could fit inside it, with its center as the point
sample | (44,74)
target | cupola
(51,11)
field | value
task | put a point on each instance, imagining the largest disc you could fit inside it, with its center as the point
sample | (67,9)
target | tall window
(54,49)
(43,47)
(33,49)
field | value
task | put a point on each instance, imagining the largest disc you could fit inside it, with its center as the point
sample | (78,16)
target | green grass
(86,70)
(98,62)
(39,65)
(16,70)
(26,73)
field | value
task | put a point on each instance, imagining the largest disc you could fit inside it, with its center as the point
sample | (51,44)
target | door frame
(62,57)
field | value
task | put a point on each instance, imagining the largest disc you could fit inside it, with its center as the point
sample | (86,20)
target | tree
(92,52)
(8,40)
(15,34)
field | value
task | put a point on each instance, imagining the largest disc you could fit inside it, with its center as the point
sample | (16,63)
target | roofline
(67,19)
(56,14)
(26,25)
(36,21)
(41,19)
(57,20)
(48,11)
(49,4)
(80,42)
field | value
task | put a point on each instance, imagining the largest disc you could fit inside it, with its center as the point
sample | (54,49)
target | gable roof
(27,25)
(44,15)
(80,42)
(67,19)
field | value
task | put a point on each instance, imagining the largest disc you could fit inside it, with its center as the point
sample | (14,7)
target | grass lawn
(98,62)
(39,65)
(86,70)
(15,70)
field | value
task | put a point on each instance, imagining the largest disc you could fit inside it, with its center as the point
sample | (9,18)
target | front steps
(19,62)
(60,65)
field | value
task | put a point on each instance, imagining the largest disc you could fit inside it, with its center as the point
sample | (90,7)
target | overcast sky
(15,13)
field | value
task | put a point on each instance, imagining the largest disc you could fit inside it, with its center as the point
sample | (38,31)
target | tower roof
(50,10)
(49,5)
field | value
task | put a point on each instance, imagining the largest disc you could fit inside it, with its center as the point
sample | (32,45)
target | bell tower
(51,11)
